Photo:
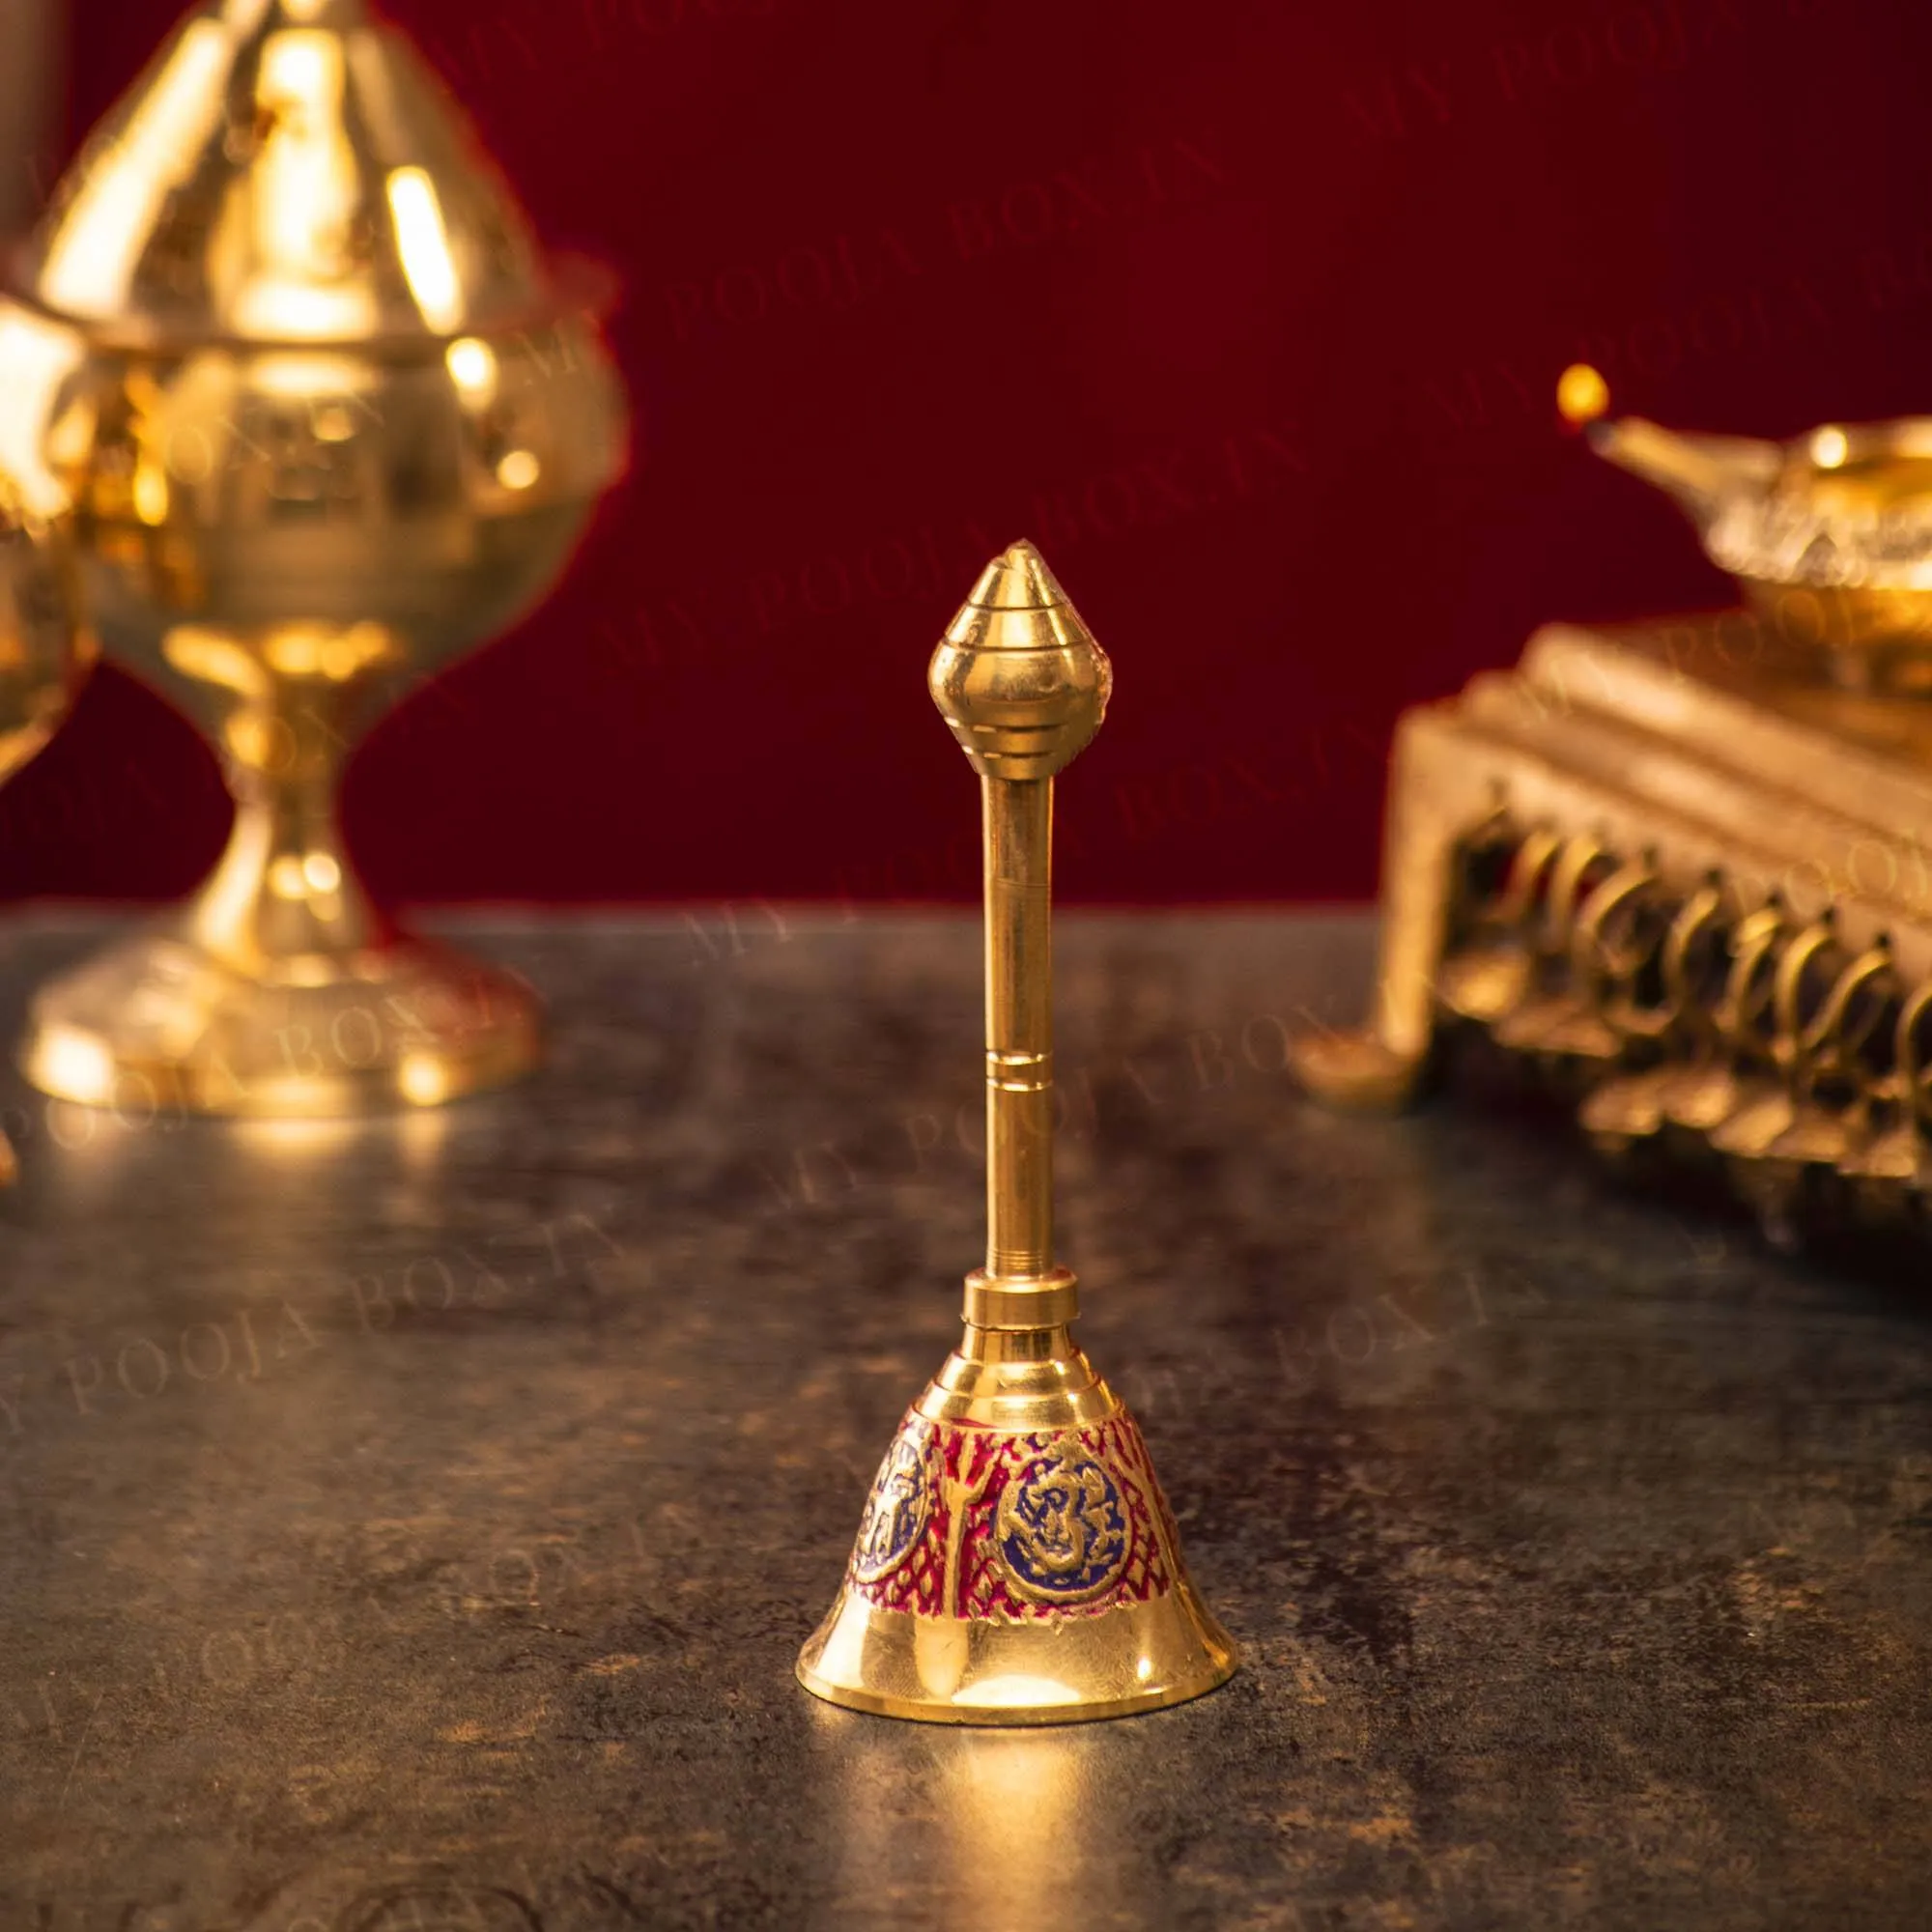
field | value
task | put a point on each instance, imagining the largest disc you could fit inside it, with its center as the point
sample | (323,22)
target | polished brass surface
(329,421)
(45,649)
(1717,866)
(1016,1563)
(1681,866)
(1829,534)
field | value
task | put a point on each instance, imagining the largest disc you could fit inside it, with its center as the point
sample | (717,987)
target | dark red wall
(1247,312)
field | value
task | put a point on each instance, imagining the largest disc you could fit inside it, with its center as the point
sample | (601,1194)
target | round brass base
(949,1670)
(160,1023)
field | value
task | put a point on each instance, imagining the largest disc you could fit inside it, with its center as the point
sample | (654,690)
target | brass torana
(1016,1563)
(328,419)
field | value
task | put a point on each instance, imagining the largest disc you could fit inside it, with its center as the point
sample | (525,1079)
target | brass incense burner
(1681,868)
(328,420)
(45,649)
(1016,1563)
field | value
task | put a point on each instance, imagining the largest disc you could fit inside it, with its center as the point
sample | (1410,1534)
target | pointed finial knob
(1018,676)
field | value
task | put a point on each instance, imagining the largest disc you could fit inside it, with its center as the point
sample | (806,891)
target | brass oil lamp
(328,420)
(1681,868)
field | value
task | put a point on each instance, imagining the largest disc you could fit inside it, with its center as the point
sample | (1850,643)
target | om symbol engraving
(1062,1533)
(896,1510)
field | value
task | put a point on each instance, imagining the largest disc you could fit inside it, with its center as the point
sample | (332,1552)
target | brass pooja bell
(1682,868)
(329,421)
(46,649)
(1016,1563)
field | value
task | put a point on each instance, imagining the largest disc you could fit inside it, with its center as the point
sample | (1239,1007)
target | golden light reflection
(302,1138)
(303,190)
(472,368)
(1581,396)
(311,877)
(423,243)
(1830,447)
(519,469)
(257,741)
(39,355)
(422,1080)
(1017,1693)
(81,1065)
(228,906)
(151,491)
(301,375)
(1012,1821)
(92,256)
(212,657)
(1022,1845)
(336,653)
(420,1135)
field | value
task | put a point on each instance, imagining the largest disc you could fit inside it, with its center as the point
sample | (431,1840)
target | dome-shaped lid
(285,171)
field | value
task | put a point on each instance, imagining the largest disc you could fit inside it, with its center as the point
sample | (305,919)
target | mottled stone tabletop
(412,1524)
